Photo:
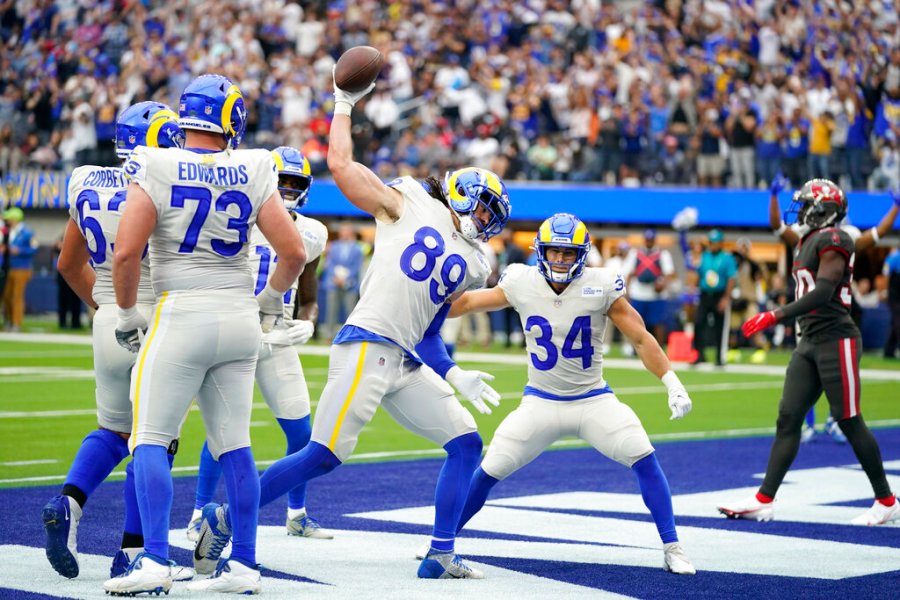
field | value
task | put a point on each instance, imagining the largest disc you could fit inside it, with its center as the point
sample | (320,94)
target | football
(357,68)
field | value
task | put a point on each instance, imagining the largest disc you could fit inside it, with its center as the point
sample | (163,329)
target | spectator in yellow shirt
(820,128)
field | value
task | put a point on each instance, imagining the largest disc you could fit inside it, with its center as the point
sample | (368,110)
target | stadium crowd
(708,93)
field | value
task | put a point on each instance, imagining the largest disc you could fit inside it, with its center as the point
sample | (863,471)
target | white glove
(130,328)
(350,98)
(299,332)
(685,219)
(271,307)
(472,386)
(679,401)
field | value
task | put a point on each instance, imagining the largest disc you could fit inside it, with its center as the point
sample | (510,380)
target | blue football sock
(811,417)
(207,478)
(242,485)
(100,453)
(153,486)
(132,512)
(463,454)
(479,489)
(656,495)
(296,469)
(297,432)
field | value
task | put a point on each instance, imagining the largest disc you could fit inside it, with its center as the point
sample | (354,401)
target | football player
(827,357)
(278,370)
(196,206)
(96,199)
(426,250)
(564,307)
(861,241)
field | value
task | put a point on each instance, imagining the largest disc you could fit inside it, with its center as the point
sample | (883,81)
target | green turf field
(47,402)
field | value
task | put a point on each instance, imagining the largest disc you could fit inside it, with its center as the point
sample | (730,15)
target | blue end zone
(691,467)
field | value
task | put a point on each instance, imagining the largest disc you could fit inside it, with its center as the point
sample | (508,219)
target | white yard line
(567,443)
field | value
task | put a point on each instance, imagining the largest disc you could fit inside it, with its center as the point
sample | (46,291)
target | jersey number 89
(450,276)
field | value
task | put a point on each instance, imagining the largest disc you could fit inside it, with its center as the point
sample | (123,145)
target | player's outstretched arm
(356,181)
(787,234)
(870,238)
(828,277)
(275,223)
(74,265)
(479,301)
(630,323)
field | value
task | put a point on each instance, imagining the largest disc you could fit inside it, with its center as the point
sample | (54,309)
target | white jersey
(563,332)
(206,204)
(96,201)
(262,256)
(419,262)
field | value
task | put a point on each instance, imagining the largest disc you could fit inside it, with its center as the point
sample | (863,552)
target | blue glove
(779,183)
(895,196)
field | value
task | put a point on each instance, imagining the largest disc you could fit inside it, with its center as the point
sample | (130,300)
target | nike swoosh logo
(197,555)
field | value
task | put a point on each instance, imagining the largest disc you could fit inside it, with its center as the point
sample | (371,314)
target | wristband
(781,229)
(342,108)
(671,381)
(875,235)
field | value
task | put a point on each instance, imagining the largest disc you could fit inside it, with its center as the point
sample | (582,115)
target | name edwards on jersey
(218,176)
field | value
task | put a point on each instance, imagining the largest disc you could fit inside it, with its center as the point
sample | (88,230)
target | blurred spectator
(892,271)
(886,175)
(741,129)
(796,148)
(716,273)
(542,159)
(68,304)
(650,272)
(21,247)
(820,127)
(745,296)
(768,147)
(708,141)
(343,270)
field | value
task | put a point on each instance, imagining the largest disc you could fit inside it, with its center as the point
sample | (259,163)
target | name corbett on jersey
(106,178)
(213,175)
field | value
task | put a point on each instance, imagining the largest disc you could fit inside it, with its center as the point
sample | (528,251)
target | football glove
(779,183)
(350,98)
(130,327)
(472,386)
(299,332)
(271,307)
(758,323)
(679,401)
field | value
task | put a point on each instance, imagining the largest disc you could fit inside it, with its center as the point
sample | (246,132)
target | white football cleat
(233,576)
(446,565)
(676,561)
(193,528)
(306,526)
(879,514)
(147,574)
(215,533)
(749,508)
(422,552)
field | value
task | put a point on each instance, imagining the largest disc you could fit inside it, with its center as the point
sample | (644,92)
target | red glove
(758,323)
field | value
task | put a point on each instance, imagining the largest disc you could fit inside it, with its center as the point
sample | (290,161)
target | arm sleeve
(431,349)
(818,296)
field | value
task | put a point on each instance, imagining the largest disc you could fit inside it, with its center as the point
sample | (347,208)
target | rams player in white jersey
(96,198)
(564,307)
(196,207)
(426,251)
(278,370)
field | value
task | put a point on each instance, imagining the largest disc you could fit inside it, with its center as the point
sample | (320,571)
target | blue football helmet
(466,189)
(562,230)
(294,176)
(150,124)
(212,103)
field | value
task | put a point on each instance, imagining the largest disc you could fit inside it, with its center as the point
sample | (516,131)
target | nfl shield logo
(132,139)
(207,109)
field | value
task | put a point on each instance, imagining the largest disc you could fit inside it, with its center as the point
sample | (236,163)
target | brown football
(357,68)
